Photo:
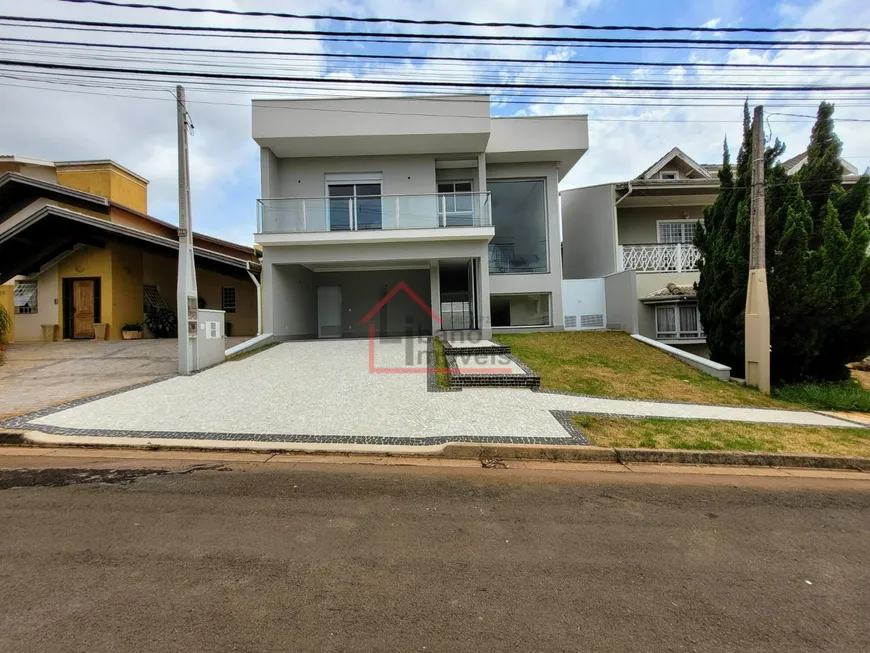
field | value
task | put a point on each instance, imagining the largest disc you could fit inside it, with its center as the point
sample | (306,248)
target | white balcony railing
(659,258)
(361,213)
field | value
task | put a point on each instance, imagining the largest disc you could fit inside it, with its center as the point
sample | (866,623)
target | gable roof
(682,157)
(795,163)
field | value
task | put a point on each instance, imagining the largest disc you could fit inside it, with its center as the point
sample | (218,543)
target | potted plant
(163,323)
(132,331)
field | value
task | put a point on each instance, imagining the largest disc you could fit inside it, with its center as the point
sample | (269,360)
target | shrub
(163,323)
(132,326)
(5,323)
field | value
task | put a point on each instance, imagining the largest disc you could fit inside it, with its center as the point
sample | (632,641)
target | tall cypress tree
(817,240)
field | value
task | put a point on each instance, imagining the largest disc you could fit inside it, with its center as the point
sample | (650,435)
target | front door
(329,311)
(83,308)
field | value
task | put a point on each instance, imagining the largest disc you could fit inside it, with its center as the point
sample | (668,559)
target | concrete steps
(483,363)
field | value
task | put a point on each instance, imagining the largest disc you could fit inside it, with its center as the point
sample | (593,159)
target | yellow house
(80,257)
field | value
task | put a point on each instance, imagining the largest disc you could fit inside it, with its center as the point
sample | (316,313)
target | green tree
(817,240)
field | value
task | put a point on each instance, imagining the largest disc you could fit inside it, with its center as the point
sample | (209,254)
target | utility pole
(757,343)
(187,295)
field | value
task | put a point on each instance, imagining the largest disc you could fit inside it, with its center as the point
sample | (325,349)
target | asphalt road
(354,558)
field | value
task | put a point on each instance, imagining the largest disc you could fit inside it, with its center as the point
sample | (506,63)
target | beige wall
(28,328)
(127,275)
(637,225)
(43,173)
(210,285)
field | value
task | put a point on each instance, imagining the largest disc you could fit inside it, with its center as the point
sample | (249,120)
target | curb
(583,454)
(550,453)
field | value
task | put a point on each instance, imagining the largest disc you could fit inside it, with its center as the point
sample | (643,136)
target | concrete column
(481,172)
(484,319)
(267,284)
(435,294)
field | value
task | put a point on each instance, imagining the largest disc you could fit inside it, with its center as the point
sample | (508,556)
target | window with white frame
(25,296)
(455,203)
(678,322)
(228,299)
(672,232)
(669,175)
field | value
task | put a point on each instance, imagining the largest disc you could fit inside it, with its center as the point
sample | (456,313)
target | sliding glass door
(355,206)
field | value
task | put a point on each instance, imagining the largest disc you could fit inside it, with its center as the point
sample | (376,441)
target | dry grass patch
(708,435)
(612,364)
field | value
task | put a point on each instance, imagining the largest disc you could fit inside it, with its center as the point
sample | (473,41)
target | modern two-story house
(450,215)
(638,235)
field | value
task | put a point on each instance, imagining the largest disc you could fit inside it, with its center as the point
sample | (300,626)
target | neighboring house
(359,194)
(638,235)
(77,248)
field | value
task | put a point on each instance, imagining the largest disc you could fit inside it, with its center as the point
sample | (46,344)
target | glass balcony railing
(367,212)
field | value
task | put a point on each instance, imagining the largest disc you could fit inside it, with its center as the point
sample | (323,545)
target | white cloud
(141,134)
(713,22)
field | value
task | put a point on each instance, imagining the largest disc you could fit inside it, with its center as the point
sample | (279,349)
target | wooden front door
(83,308)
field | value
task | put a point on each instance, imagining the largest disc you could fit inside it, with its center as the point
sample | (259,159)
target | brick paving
(329,392)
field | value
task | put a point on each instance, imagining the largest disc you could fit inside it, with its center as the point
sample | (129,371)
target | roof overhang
(16,191)
(41,237)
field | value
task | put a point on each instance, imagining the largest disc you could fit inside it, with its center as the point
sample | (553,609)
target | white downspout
(259,298)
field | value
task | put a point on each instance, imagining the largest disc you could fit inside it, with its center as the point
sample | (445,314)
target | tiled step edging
(476,351)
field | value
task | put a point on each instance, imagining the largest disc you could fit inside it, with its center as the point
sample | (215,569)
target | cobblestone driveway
(43,374)
(324,392)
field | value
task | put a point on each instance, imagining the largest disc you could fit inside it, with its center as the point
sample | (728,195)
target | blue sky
(134,122)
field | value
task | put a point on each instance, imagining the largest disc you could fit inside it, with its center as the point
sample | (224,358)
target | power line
(247,105)
(421,83)
(401,57)
(464,23)
(446,37)
(162,30)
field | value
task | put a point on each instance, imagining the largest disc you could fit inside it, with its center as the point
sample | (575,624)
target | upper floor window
(228,299)
(519,215)
(677,231)
(25,295)
(455,203)
(673,174)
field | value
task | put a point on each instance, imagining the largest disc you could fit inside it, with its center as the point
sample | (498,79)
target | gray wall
(290,309)
(637,225)
(210,351)
(361,292)
(589,232)
(401,175)
(620,296)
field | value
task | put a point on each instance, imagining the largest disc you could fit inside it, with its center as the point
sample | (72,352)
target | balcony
(679,257)
(373,213)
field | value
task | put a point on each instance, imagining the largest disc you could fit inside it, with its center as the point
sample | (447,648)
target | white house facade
(402,215)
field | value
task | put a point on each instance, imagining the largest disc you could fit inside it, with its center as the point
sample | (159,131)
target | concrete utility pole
(187,294)
(757,343)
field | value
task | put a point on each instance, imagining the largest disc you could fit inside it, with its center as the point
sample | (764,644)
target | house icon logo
(416,358)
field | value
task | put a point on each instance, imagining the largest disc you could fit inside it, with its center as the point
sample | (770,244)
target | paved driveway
(324,394)
(44,374)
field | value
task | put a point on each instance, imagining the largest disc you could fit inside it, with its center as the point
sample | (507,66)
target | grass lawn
(252,352)
(612,364)
(848,395)
(442,379)
(723,436)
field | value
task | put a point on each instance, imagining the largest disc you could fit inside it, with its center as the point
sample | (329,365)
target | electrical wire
(426,83)
(402,57)
(464,23)
(500,38)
